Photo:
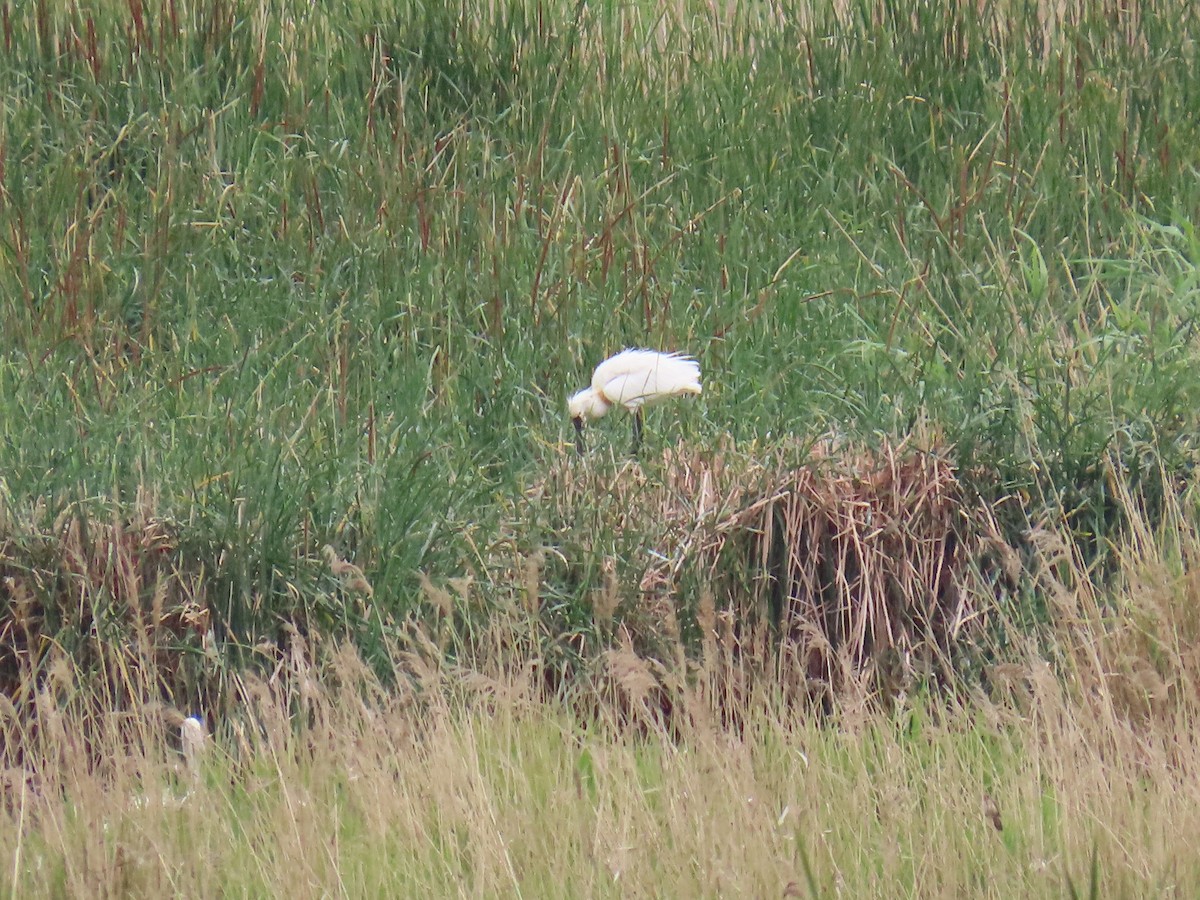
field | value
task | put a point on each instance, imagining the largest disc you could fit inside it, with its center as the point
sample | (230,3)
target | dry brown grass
(324,781)
(459,774)
(112,594)
(843,570)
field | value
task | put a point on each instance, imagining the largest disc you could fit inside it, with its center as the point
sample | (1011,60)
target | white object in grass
(633,379)
(193,737)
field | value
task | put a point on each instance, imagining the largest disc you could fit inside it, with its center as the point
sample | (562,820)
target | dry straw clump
(112,592)
(850,567)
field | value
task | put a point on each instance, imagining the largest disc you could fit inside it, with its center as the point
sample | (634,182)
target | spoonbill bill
(633,379)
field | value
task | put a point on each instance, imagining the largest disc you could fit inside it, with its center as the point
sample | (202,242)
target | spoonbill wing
(636,377)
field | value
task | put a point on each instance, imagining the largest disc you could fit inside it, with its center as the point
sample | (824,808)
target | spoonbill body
(633,379)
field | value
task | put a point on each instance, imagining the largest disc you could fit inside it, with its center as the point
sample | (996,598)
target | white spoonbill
(633,379)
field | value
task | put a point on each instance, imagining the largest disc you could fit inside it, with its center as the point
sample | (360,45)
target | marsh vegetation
(293,298)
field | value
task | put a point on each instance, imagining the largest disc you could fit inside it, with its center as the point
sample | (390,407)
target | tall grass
(1074,773)
(282,277)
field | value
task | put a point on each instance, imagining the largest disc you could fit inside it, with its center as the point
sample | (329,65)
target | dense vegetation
(292,295)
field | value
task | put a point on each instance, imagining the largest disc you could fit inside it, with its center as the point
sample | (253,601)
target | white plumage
(633,379)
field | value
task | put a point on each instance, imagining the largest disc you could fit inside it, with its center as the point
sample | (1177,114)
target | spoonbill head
(633,379)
